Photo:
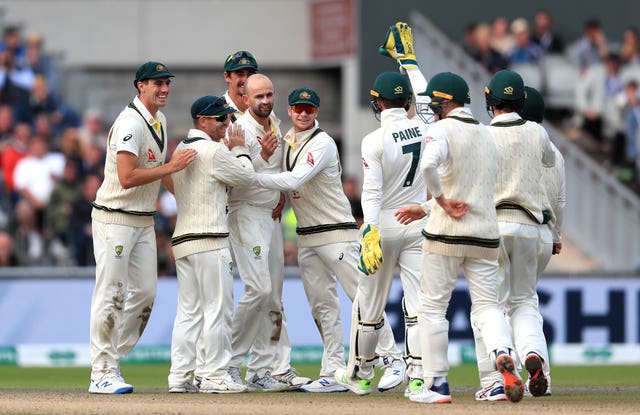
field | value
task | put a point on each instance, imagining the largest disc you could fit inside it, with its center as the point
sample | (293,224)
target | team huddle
(441,193)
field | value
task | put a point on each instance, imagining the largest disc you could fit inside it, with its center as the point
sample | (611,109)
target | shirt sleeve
(436,151)
(127,135)
(548,155)
(561,201)
(320,154)
(233,167)
(373,178)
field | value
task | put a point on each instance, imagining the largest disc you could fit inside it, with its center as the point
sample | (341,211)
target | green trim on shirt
(308,230)
(196,236)
(462,240)
(129,212)
(509,123)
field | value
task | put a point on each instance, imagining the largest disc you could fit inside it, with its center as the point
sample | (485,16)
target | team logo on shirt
(127,138)
(257,250)
(295,194)
(341,256)
(119,249)
(150,155)
(310,158)
(364,163)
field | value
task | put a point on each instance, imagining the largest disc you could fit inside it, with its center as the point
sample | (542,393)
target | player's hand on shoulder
(181,159)
(235,136)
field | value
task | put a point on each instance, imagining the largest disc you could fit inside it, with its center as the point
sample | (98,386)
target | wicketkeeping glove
(370,250)
(398,45)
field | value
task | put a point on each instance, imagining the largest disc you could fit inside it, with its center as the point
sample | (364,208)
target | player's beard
(263,110)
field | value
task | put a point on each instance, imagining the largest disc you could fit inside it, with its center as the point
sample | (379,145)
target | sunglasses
(239,54)
(219,118)
(300,108)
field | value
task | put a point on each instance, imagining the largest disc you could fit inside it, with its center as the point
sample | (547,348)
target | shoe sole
(513,386)
(333,389)
(537,380)
(120,391)
(443,400)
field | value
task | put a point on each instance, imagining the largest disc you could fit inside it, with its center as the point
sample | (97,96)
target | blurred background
(66,71)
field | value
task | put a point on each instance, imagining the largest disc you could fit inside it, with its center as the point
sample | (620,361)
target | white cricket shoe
(110,385)
(266,384)
(186,387)
(292,379)
(435,394)
(323,385)
(493,392)
(234,372)
(393,375)
(355,384)
(224,384)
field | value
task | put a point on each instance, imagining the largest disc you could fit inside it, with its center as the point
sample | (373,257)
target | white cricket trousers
(259,323)
(439,277)
(321,267)
(402,247)
(521,248)
(205,309)
(126,280)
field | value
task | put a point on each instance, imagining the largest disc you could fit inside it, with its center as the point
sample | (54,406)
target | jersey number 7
(414,149)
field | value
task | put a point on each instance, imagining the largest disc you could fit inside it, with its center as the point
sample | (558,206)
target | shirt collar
(509,116)
(292,138)
(194,132)
(232,104)
(274,121)
(464,112)
(144,111)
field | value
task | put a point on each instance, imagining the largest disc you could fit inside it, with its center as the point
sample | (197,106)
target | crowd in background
(607,104)
(52,155)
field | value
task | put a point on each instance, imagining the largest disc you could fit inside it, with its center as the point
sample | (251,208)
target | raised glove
(398,45)
(370,250)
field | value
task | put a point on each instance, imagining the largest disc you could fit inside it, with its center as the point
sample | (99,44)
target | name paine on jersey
(406,134)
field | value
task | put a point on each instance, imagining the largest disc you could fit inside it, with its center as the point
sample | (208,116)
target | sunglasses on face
(219,118)
(300,108)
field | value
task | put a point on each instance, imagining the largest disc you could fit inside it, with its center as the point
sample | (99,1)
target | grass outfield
(154,376)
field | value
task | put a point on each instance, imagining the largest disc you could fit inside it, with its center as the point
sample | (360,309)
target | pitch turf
(154,376)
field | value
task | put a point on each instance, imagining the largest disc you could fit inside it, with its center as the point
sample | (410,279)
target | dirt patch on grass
(609,400)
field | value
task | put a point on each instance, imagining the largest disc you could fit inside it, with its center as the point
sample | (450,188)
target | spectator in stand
(12,43)
(485,55)
(6,124)
(92,131)
(544,35)
(93,161)
(29,243)
(525,50)
(68,144)
(7,253)
(630,48)
(58,212)
(16,149)
(80,222)
(501,38)
(591,48)
(594,95)
(15,84)
(41,101)
(42,127)
(35,175)
(469,39)
(632,131)
(40,62)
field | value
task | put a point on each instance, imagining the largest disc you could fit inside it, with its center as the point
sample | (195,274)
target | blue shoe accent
(442,389)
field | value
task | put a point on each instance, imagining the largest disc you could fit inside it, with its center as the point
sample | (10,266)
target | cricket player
(524,150)
(201,248)
(390,156)
(327,232)
(255,234)
(123,234)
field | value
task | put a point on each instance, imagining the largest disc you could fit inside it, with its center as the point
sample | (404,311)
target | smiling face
(302,116)
(154,93)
